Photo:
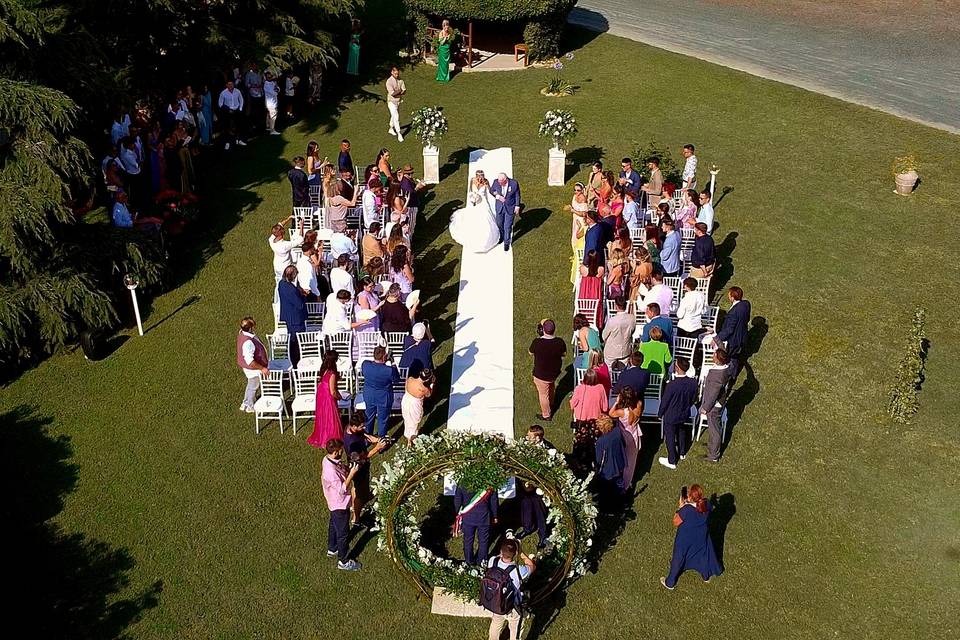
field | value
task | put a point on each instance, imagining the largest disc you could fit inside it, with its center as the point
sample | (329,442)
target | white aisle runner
(481,390)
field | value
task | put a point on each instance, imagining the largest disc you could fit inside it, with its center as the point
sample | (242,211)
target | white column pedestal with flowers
(431,165)
(429,125)
(556,171)
(560,126)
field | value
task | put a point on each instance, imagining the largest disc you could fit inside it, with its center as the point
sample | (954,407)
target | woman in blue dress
(206,108)
(692,548)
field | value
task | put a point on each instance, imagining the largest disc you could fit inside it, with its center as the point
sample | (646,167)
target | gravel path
(910,70)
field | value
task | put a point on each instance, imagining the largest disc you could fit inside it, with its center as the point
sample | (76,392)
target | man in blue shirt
(378,380)
(654,319)
(670,254)
(121,213)
(679,395)
(629,179)
(416,351)
(705,214)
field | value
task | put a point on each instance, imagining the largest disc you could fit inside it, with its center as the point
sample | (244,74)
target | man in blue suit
(594,238)
(378,380)
(734,329)
(475,513)
(506,192)
(679,395)
(293,309)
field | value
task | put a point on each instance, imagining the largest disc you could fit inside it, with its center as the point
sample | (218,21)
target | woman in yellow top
(579,207)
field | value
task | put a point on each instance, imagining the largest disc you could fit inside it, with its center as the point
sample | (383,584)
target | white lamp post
(714,170)
(131,281)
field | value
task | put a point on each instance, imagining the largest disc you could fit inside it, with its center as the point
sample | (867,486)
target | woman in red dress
(591,284)
(326,421)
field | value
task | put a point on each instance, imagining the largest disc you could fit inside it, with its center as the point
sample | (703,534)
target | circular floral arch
(571,511)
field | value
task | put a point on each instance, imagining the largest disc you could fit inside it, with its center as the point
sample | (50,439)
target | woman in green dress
(445,39)
(353,59)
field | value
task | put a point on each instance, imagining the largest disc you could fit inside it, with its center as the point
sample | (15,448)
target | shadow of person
(724,508)
(723,194)
(528,221)
(725,269)
(750,387)
(67,585)
(545,613)
(610,525)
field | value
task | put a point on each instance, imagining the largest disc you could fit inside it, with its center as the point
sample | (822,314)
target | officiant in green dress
(444,42)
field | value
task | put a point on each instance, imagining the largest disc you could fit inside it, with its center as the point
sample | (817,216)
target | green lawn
(844,525)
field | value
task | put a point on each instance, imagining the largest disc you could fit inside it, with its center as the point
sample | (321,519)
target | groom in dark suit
(506,192)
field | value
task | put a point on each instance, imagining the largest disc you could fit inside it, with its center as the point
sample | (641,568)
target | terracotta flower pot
(905,182)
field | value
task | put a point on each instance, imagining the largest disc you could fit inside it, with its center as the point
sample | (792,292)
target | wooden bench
(517,50)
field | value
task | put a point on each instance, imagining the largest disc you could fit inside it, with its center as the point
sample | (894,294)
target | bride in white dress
(475,226)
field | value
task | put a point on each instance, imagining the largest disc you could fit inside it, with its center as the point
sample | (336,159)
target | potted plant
(905,174)
(429,125)
(561,127)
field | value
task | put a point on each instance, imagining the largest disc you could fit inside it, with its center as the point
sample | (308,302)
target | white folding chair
(278,346)
(398,389)
(586,307)
(354,220)
(638,237)
(703,286)
(279,325)
(651,397)
(709,318)
(684,348)
(654,214)
(578,374)
(345,391)
(311,350)
(706,360)
(314,315)
(367,341)
(675,283)
(270,404)
(359,404)
(314,190)
(687,238)
(395,340)
(342,343)
(304,214)
(304,395)
(614,378)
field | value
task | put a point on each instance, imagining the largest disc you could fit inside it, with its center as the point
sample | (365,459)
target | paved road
(912,73)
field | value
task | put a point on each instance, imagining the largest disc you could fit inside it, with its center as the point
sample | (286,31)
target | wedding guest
(548,352)
(340,276)
(384,170)
(397,202)
(337,480)
(609,461)
(689,167)
(271,93)
(618,271)
(298,183)
(656,352)
(635,377)
(589,399)
(400,271)
(252,360)
(692,547)
(230,104)
(378,380)
(315,164)
(326,418)
(416,389)
(632,215)
(670,254)
(594,182)
(337,205)
(590,286)
(656,319)
(394,315)
(253,83)
(475,514)
(369,201)
(337,314)
(596,363)
(353,56)
(307,273)
(368,300)
(658,293)
(293,310)
(641,273)
(587,338)
(705,215)
(628,410)
(686,217)
(281,248)
(629,179)
(679,396)
(690,310)
(395,237)
(733,333)
(715,389)
(356,444)
(594,238)
(344,160)
(654,186)
(345,244)
(533,510)
(653,243)
(703,258)
(618,334)
(371,246)
(409,189)
(396,89)
(509,553)
(345,184)
(417,351)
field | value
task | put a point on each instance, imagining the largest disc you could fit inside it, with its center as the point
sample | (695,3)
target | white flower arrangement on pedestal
(429,125)
(560,126)
(571,512)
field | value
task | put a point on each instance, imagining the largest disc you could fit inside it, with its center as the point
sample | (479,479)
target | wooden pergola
(467,41)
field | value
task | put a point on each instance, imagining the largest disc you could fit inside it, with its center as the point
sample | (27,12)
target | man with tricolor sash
(475,513)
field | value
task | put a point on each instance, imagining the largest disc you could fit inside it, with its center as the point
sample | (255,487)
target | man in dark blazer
(679,395)
(713,400)
(594,238)
(475,518)
(293,309)
(703,258)
(634,376)
(506,193)
(298,183)
(734,330)
(378,380)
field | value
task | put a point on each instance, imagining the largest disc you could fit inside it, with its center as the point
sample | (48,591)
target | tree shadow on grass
(724,508)
(455,160)
(528,221)
(66,584)
(580,159)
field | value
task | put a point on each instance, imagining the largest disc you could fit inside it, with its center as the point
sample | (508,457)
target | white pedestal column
(431,165)
(556,173)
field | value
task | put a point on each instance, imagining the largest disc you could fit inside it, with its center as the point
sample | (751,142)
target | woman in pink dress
(686,216)
(591,284)
(326,422)
(628,410)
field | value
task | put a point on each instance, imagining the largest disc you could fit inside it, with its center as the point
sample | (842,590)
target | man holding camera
(504,567)
(547,352)
(337,482)
(357,444)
